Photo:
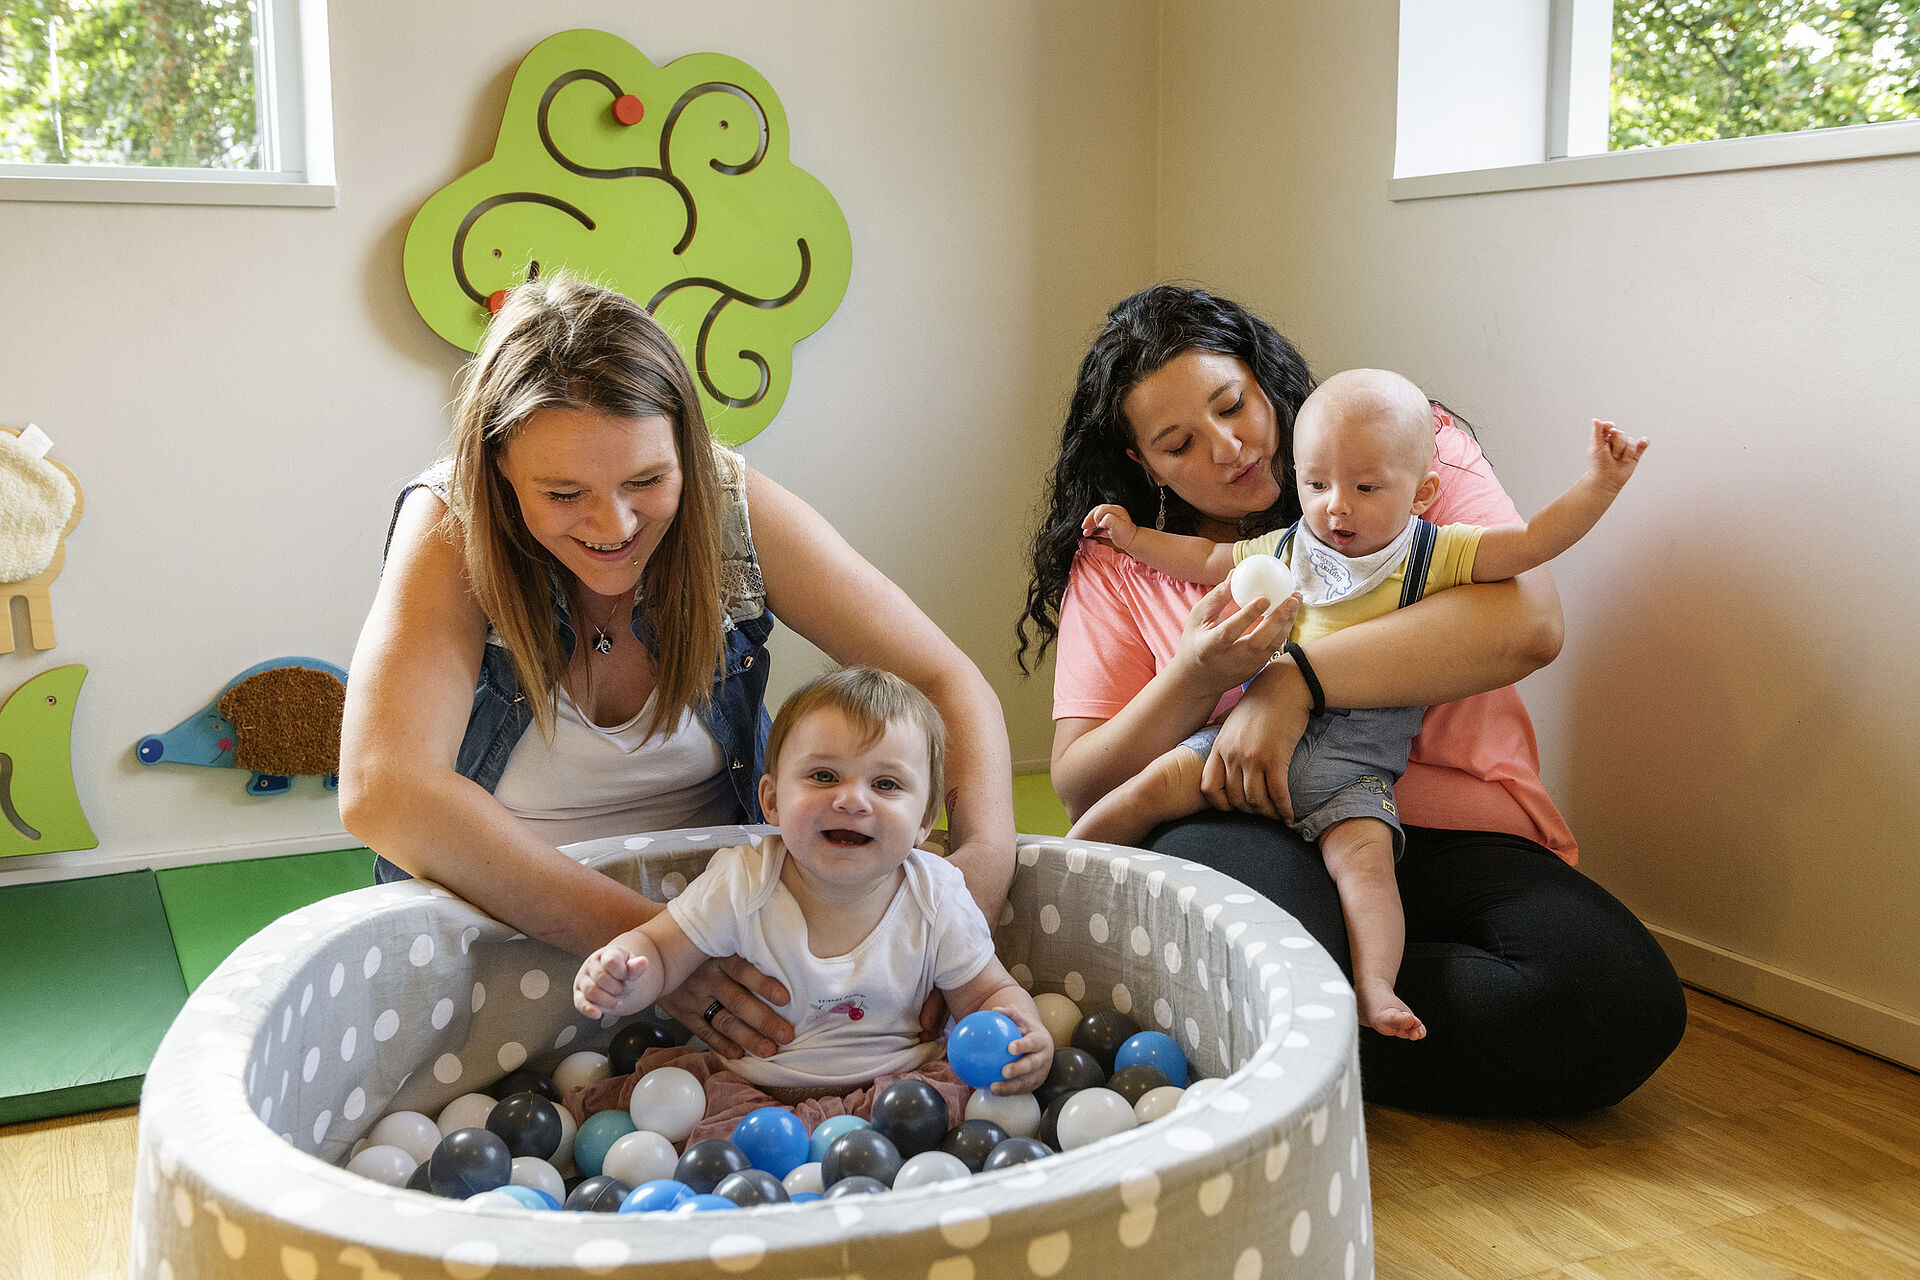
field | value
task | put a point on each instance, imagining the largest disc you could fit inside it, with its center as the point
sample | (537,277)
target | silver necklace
(603,642)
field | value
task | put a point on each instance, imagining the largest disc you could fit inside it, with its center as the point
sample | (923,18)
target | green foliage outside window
(129,82)
(1695,70)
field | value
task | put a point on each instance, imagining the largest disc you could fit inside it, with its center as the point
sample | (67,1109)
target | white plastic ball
(384,1163)
(412,1132)
(1197,1092)
(1258,576)
(640,1156)
(669,1101)
(928,1168)
(1155,1103)
(532,1171)
(578,1069)
(1093,1114)
(468,1111)
(1058,1015)
(804,1178)
(1017,1113)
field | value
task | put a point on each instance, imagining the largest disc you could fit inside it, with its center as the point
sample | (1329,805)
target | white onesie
(854,1016)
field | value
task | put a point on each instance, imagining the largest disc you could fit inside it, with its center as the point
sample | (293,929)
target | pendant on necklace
(602,642)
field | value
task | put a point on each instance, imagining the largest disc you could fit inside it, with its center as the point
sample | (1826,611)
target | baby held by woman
(1364,462)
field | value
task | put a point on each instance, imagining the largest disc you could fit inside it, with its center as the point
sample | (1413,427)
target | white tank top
(593,781)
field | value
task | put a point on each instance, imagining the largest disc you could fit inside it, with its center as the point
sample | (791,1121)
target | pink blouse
(1475,765)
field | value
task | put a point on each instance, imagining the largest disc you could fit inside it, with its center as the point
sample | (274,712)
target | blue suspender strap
(1419,559)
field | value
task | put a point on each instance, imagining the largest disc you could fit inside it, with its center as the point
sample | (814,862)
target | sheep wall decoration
(279,718)
(673,185)
(40,503)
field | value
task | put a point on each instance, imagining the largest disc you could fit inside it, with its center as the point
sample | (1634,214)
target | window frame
(296,102)
(1575,115)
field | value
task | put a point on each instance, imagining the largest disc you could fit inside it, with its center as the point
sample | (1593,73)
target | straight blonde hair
(872,699)
(561,343)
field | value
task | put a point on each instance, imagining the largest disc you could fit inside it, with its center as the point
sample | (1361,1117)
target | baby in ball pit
(858,923)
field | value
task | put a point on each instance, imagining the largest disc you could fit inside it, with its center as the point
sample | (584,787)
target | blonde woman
(569,642)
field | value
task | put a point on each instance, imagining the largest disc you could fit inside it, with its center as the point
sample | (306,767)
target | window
(175,101)
(1701,70)
(1504,94)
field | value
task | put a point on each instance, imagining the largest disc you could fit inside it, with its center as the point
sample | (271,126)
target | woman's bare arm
(1221,647)
(829,594)
(1451,645)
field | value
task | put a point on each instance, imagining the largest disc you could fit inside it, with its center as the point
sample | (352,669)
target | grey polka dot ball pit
(404,997)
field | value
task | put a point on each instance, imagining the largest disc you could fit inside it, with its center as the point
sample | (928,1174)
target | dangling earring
(1160,520)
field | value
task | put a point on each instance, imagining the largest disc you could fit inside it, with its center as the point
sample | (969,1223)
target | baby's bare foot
(1387,1013)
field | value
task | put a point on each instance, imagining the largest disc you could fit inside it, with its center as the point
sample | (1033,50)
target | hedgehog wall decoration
(279,718)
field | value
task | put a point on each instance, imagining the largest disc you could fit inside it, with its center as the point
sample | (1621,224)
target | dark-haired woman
(1547,994)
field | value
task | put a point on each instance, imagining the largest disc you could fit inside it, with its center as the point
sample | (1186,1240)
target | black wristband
(1305,668)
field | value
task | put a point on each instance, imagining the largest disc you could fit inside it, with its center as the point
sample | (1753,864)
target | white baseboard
(1827,1011)
(41,868)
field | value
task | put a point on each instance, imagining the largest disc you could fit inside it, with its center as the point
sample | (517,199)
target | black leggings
(1540,991)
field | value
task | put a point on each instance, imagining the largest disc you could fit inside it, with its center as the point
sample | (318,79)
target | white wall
(1733,724)
(242,391)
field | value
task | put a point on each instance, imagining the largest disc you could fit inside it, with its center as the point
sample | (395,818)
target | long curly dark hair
(1141,335)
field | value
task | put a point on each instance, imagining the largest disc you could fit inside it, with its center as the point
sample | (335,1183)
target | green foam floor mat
(215,907)
(88,986)
(1036,810)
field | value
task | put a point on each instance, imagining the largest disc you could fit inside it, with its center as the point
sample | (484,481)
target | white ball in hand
(1258,576)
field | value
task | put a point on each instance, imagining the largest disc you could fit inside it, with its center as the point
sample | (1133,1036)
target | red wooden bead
(628,109)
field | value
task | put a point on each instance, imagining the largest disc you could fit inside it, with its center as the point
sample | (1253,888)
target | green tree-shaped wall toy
(671,184)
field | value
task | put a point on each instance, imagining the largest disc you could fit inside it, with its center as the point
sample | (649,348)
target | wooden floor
(1757,1153)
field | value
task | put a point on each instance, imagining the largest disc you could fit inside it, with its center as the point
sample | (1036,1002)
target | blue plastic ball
(659,1195)
(702,1203)
(803,1197)
(977,1050)
(773,1139)
(598,1132)
(1153,1049)
(531,1197)
(829,1129)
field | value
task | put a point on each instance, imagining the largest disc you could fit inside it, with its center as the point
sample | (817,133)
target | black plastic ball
(602,1193)
(525,1080)
(911,1115)
(634,1039)
(972,1141)
(1016,1151)
(467,1162)
(1133,1083)
(1101,1033)
(418,1180)
(860,1153)
(752,1186)
(1050,1119)
(707,1162)
(858,1185)
(527,1123)
(1072,1069)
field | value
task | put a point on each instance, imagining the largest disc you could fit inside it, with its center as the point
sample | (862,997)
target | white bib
(1323,576)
